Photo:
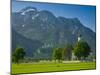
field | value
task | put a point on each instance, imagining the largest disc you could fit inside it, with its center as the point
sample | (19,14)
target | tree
(18,55)
(82,50)
(57,54)
(67,52)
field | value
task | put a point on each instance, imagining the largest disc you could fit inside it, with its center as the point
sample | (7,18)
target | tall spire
(79,37)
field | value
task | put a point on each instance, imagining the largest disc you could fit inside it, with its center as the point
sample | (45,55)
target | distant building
(79,38)
(73,57)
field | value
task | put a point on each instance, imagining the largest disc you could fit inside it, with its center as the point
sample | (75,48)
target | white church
(89,58)
(73,56)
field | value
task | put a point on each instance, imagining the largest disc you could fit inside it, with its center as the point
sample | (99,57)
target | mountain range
(39,31)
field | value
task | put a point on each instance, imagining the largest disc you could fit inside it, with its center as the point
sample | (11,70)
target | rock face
(40,31)
(20,41)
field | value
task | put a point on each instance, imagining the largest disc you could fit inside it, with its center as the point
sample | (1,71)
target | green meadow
(51,67)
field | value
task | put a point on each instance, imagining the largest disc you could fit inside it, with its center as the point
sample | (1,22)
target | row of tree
(62,53)
(81,51)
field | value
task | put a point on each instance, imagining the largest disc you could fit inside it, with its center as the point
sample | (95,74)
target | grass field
(51,67)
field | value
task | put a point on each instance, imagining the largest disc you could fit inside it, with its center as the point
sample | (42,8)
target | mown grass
(51,67)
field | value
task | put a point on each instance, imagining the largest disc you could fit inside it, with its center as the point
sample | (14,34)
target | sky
(86,14)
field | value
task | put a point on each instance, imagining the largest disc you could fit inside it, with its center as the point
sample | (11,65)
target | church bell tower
(79,37)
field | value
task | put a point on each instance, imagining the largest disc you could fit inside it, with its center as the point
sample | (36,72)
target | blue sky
(86,14)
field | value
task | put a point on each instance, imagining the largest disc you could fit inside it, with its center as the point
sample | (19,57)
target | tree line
(81,51)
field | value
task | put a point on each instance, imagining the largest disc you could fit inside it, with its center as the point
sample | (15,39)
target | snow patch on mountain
(34,16)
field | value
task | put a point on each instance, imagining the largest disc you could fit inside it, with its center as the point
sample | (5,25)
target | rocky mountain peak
(27,10)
